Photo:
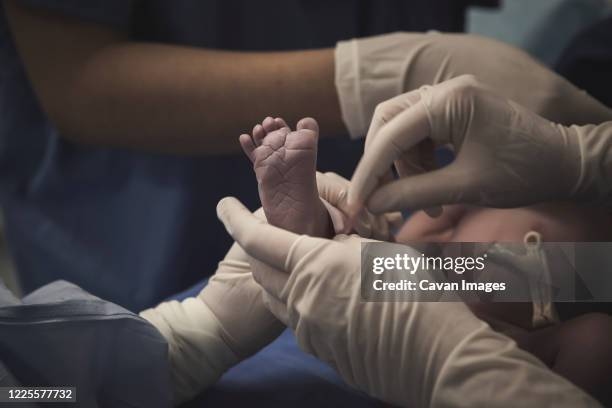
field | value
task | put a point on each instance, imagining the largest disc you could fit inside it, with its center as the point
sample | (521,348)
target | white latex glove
(372,70)
(506,155)
(335,190)
(405,353)
(210,333)
(228,321)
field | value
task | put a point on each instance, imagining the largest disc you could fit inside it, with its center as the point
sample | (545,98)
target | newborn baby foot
(285,165)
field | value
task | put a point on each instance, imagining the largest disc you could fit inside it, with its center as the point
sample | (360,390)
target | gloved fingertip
(224,209)
(378,204)
(353,203)
(222,205)
(345,225)
(353,212)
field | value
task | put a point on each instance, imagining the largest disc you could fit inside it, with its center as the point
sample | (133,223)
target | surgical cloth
(60,335)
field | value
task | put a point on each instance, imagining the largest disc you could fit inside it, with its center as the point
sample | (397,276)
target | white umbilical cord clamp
(540,281)
(532,265)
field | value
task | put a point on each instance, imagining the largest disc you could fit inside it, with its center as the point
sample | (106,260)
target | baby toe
(248,146)
(280,122)
(259,134)
(308,123)
(270,124)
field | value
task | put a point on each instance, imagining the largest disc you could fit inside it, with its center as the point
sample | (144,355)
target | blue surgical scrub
(132,227)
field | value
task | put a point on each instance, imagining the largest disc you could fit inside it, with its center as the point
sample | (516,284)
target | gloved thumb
(333,188)
(259,239)
(433,189)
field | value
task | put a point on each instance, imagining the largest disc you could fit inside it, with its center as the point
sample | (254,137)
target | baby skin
(285,164)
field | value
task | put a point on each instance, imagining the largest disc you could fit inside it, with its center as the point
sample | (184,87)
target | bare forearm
(184,100)
(98,87)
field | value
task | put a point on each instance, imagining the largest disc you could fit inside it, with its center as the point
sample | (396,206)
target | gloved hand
(210,333)
(227,321)
(506,155)
(405,353)
(334,188)
(372,70)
